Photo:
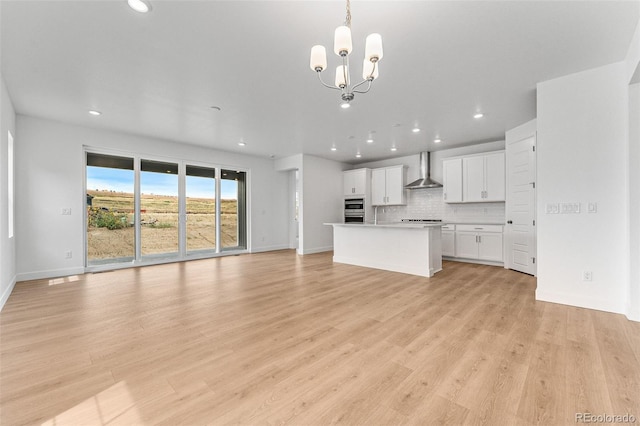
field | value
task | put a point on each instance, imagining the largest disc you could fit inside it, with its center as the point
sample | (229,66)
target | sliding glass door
(233,209)
(159,211)
(201,208)
(110,209)
(144,210)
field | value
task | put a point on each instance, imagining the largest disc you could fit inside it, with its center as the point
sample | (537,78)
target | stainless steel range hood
(425,180)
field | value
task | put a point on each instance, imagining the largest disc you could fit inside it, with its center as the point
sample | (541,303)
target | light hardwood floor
(278,338)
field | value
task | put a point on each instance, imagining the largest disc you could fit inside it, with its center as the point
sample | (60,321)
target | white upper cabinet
(356,182)
(494,177)
(473,178)
(483,178)
(378,187)
(452,180)
(387,186)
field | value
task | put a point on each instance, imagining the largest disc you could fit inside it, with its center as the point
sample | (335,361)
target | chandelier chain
(347,20)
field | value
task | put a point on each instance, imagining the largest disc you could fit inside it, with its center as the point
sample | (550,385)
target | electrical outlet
(66,211)
(592,207)
(587,276)
(68,254)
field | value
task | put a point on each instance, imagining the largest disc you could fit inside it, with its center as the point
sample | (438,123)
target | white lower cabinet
(448,240)
(479,242)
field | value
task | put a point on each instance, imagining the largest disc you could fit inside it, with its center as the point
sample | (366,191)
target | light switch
(592,207)
(66,211)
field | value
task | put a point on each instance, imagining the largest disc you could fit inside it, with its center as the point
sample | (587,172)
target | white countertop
(417,225)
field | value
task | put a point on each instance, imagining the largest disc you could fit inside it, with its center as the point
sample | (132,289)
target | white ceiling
(158,74)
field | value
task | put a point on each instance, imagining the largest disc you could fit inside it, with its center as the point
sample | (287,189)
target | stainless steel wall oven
(354,210)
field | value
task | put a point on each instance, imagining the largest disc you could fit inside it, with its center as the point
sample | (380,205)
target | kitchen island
(411,248)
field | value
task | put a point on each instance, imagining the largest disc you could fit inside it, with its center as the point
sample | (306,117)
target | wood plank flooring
(276,338)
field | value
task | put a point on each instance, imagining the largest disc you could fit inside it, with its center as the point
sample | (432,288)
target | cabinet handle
(480,239)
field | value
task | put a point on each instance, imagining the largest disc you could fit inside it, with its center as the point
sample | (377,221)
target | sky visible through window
(108,179)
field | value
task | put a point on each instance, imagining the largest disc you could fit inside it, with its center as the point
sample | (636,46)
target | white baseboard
(579,301)
(270,248)
(7,293)
(476,261)
(316,250)
(633,313)
(51,273)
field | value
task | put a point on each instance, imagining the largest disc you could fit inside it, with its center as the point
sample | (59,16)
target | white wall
(7,245)
(321,199)
(321,183)
(49,176)
(582,157)
(633,303)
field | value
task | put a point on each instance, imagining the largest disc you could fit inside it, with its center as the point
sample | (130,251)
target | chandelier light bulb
(345,105)
(318,60)
(373,47)
(342,41)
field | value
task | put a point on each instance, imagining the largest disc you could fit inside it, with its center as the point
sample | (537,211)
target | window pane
(110,206)
(158,207)
(201,208)
(233,209)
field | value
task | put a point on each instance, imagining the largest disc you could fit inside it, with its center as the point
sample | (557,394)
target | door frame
(517,134)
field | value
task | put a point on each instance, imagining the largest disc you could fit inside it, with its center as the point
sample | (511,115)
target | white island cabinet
(409,248)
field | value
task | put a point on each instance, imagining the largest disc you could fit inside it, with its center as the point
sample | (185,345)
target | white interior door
(521,199)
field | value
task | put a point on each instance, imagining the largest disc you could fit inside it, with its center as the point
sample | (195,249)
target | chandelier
(342,47)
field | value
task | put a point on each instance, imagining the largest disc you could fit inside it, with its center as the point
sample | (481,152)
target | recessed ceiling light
(437,140)
(242,143)
(345,105)
(94,112)
(358,155)
(138,5)
(393,148)
(478,115)
(333,148)
(369,140)
(415,130)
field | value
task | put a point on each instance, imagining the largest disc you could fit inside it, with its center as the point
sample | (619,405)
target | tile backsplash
(428,204)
